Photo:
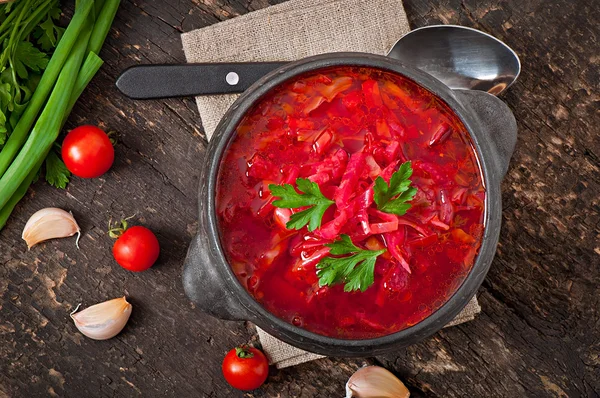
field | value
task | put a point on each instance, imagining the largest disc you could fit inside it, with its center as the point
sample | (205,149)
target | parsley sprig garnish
(291,199)
(347,263)
(393,198)
(356,271)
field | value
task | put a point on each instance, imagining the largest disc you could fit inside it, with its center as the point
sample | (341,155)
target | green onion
(97,9)
(47,82)
(19,193)
(48,125)
(84,36)
(102,26)
(90,67)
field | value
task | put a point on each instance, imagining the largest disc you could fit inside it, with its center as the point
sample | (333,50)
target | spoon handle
(180,80)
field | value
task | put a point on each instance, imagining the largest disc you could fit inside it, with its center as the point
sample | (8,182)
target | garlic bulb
(50,223)
(103,321)
(375,382)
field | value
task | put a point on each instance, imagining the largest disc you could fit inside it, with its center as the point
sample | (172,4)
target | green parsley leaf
(17,111)
(57,173)
(26,55)
(47,33)
(363,276)
(356,271)
(5,95)
(291,199)
(3,129)
(343,246)
(393,198)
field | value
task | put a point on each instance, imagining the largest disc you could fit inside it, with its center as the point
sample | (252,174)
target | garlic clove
(50,223)
(103,321)
(375,382)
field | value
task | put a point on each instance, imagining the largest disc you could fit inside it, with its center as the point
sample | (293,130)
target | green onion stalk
(19,193)
(47,82)
(90,66)
(48,125)
(103,23)
(19,176)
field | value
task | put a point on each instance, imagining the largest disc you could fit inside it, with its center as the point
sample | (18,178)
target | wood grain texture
(538,335)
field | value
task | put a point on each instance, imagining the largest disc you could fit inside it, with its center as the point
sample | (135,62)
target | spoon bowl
(460,57)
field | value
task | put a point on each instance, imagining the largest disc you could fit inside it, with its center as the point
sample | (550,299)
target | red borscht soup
(351,202)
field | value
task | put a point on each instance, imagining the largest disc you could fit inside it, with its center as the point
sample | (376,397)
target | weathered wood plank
(539,332)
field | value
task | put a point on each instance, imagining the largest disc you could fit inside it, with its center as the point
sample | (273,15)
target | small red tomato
(136,249)
(245,368)
(87,152)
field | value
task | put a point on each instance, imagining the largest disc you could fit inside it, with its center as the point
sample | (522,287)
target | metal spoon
(460,57)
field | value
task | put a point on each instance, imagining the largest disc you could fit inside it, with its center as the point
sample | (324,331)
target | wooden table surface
(538,334)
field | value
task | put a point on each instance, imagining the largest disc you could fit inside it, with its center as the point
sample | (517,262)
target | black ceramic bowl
(208,279)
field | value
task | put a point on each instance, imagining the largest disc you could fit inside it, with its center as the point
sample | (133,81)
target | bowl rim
(224,134)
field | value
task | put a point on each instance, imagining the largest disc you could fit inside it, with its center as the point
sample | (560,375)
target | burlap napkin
(286,32)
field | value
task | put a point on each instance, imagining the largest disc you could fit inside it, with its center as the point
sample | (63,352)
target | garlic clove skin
(50,223)
(103,321)
(375,382)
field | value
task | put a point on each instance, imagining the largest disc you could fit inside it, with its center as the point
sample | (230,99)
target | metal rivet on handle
(232,78)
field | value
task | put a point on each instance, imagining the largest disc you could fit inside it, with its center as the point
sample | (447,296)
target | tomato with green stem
(245,368)
(88,152)
(136,248)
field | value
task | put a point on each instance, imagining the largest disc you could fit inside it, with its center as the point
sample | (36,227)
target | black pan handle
(182,80)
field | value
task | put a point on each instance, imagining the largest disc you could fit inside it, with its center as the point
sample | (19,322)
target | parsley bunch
(28,35)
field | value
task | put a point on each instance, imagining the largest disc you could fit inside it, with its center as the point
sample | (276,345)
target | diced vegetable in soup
(351,202)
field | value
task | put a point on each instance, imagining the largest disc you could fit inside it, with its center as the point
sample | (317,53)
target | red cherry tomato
(245,368)
(87,152)
(136,249)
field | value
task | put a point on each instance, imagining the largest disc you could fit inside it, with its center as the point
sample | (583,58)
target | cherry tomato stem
(243,352)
